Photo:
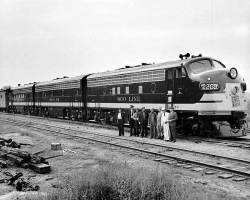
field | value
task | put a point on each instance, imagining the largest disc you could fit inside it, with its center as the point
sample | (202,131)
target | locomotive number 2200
(210,86)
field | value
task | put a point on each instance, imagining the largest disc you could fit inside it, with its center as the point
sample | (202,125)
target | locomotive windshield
(204,65)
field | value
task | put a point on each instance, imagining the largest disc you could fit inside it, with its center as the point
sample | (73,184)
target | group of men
(161,125)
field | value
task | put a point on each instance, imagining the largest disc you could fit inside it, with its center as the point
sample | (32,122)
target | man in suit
(136,120)
(131,120)
(172,123)
(120,122)
(152,121)
(143,123)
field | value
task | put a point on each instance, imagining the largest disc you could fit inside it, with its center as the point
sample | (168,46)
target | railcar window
(140,89)
(118,90)
(113,90)
(127,89)
(170,75)
(202,66)
(1,97)
(178,73)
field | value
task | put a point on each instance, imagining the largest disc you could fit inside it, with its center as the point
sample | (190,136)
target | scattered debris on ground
(12,155)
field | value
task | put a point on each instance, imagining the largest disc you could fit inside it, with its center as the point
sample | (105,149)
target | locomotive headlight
(235,90)
(233,73)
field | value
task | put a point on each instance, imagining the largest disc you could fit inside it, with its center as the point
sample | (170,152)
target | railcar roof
(26,86)
(61,80)
(142,68)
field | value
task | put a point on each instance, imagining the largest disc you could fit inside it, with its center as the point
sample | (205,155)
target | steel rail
(191,161)
(148,143)
(227,142)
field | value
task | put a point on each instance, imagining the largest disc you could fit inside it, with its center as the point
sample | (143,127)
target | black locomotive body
(208,97)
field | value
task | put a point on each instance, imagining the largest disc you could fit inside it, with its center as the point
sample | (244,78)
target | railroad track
(166,153)
(232,142)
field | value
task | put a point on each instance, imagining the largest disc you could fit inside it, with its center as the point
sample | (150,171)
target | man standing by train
(159,127)
(136,120)
(172,123)
(120,122)
(131,120)
(143,123)
(152,120)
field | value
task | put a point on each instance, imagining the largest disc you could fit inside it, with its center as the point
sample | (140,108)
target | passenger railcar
(22,99)
(207,97)
(64,97)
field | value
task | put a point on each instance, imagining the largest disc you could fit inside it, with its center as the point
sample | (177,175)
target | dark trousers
(132,126)
(137,127)
(121,127)
(172,133)
(144,131)
(152,130)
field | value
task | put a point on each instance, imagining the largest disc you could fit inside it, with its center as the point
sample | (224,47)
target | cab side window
(180,72)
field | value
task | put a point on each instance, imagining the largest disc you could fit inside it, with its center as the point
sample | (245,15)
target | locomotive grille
(138,77)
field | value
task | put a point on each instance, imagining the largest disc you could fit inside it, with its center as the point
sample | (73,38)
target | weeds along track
(166,153)
(231,142)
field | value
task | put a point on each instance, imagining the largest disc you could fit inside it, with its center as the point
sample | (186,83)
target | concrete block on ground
(56,146)
(40,168)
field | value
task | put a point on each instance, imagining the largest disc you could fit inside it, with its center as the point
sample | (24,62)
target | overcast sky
(44,39)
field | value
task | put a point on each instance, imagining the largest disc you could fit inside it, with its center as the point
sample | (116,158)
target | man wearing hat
(131,120)
(152,121)
(120,122)
(172,123)
(165,125)
(143,123)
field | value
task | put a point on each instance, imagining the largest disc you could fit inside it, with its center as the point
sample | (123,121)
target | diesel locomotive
(208,97)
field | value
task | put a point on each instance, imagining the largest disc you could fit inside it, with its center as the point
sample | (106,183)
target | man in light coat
(165,124)
(159,127)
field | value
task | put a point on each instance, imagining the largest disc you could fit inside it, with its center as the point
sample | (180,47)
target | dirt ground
(77,155)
